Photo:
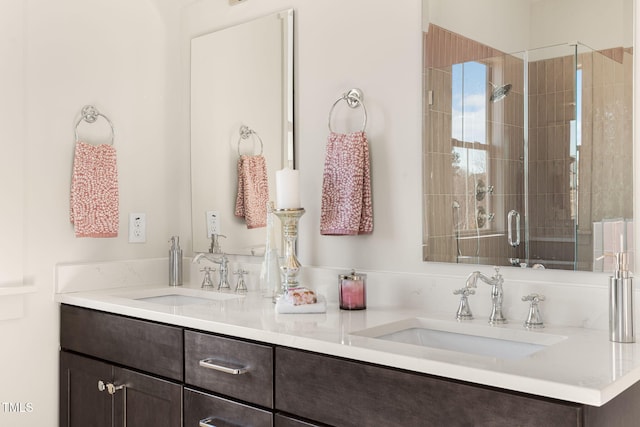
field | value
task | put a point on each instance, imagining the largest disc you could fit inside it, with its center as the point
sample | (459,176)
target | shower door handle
(513,214)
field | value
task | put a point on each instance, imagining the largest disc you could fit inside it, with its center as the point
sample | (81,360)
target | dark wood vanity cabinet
(161,375)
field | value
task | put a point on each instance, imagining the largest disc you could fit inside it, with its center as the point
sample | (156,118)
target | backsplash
(568,304)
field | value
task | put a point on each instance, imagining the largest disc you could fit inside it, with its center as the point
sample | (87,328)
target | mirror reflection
(241,105)
(528,132)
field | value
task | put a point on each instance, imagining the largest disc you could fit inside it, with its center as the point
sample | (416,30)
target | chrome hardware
(482,190)
(110,387)
(513,214)
(245,133)
(215,244)
(353,98)
(534,319)
(215,422)
(223,261)
(207,281)
(216,366)
(90,114)
(464,311)
(482,217)
(496,316)
(241,286)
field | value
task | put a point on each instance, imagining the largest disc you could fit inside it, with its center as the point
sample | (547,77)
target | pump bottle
(621,304)
(175,262)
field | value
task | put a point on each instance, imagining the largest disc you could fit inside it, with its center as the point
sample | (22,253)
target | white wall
(114,55)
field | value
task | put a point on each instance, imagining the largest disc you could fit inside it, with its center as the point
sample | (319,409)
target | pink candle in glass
(353,291)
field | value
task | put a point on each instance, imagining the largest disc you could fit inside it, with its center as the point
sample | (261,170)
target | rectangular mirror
(527,132)
(240,76)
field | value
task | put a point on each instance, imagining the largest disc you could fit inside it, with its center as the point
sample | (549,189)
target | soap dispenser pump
(175,262)
(621,304)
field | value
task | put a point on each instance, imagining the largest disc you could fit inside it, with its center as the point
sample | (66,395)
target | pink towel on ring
(346,186)
(253,191)
(94,191)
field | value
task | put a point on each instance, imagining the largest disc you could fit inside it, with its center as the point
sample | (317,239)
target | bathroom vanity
(139,357)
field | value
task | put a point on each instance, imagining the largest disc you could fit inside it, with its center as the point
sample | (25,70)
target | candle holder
(290,266)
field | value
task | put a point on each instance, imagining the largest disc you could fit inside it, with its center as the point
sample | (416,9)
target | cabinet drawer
(281,420)
(139,344)
(348,393)
(207,410)
(250,377)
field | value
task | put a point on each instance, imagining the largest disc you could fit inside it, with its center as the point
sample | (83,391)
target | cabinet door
(81,403)
(145,401)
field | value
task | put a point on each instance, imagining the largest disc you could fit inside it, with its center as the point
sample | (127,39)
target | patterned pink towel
(253,191)
(94,191)
(346,186)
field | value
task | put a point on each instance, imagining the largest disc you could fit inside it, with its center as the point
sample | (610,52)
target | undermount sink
(473,338)
(175,297)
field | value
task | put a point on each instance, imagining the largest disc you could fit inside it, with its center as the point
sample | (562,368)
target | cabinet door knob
(229,369)
(110,387)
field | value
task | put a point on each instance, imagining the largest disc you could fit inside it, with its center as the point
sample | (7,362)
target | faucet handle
(464,311)
(534,298)
(464,292)
(207,282)
(241,286)
(534,319)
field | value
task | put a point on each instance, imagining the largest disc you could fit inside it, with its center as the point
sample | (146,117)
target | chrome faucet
(496,316)
(217,256)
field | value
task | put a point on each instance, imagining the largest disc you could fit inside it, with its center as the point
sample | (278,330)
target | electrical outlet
(137,228)
(213,223)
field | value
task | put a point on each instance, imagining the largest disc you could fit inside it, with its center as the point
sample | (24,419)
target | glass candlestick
(290,266)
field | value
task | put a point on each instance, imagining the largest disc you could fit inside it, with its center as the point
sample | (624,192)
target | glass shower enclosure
(527,157)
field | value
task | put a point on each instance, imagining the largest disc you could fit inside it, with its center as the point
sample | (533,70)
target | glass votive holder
(353,295)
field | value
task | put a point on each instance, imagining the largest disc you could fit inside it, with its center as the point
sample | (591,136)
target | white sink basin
(474,338)
(175,297)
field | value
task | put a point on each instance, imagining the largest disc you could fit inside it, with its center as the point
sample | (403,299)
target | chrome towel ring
(90,114)
(245,133)
(354,100)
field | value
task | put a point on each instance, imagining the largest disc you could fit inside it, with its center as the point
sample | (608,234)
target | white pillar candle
(287,189)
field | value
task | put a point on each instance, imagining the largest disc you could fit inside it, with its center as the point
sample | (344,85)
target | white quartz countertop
(584,367)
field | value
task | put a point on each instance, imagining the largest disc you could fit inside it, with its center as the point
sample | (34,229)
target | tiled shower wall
(551,110)
(604,186)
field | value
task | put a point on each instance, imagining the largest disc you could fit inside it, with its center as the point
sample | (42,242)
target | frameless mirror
(241,78)
(527,132)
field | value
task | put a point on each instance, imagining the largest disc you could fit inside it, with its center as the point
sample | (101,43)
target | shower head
(499,92)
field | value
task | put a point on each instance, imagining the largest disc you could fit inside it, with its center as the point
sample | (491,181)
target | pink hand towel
(94,191)
(253,191)
(346,186)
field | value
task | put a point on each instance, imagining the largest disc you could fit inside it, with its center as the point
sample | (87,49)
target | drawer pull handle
(215,422)
(216,366)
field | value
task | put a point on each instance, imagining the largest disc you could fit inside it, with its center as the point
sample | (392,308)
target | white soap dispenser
(621,304)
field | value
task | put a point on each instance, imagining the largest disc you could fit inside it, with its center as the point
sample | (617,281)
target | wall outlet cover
(137,228)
